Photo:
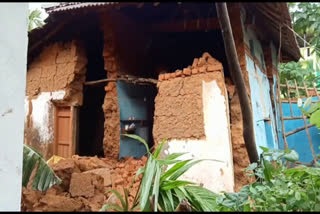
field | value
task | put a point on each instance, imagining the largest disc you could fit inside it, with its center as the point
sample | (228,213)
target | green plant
(277,188)
(160,190)
(44,176)
(311,110)
(35,19)
(294,71)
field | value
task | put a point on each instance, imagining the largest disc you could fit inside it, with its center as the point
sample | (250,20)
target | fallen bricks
(85,184)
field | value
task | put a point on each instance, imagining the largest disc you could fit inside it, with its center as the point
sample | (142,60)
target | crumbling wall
(191,111)
(111,140)
(85,184)
(55,76)
(240,154)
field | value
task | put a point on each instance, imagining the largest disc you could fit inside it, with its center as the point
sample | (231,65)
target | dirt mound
(85,184)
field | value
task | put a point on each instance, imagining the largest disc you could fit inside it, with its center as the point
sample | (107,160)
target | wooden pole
(235,70)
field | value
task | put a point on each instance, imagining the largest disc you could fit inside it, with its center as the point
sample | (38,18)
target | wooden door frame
(73,125)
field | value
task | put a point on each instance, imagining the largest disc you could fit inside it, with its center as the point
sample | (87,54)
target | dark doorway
(91,116)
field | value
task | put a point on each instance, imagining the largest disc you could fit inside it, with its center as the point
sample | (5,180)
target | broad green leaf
(174,169)
(156,187)
(147,182)
(109,207)
(253,190)
(159,148)
(118,195)
(168,185)
(264,149)
(268,168)
(169,196)
(186,167)
(140,139)
(292,156)
(44,177)
(297,196)
(315,118)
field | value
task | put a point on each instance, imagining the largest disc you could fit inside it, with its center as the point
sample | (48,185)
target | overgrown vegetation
(306,22)
(277,188)
(295,71)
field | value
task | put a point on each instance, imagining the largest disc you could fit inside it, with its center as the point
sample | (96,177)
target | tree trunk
(236,74)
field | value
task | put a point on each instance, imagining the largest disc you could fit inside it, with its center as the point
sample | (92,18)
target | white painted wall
(215,176)
(13,61)
(42,113)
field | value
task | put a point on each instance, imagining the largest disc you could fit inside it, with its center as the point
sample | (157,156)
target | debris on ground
(85,184)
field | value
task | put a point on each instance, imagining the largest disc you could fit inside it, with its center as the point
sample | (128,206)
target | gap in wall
(91,115)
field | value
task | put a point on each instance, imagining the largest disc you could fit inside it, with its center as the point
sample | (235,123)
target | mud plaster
(55,76)
(111,140)
(216,176)
(179,107)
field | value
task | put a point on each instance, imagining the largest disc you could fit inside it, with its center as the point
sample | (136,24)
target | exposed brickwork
(111,141)
(240,155)
(178,104)
(60,66)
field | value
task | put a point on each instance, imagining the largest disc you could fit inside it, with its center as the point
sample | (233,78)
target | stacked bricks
(179,103)
(200,65)
(111,141)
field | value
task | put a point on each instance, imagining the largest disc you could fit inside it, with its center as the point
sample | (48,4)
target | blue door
(136,103)
(264,127)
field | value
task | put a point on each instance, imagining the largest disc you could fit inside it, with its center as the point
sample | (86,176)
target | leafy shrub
(278,188)
(161,190)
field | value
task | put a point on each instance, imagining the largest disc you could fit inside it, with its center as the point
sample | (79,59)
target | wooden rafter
(187,25)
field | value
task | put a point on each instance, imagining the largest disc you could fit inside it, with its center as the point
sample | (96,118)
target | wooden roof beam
(187,25)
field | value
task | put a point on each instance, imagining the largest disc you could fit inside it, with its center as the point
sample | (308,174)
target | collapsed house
(157,70)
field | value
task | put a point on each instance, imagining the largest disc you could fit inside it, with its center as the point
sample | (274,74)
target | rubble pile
(85,184)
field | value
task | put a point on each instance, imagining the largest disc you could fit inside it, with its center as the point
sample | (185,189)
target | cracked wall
(56,76)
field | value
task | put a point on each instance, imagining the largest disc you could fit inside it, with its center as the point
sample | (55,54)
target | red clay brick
(201,62)
(215,67)
(195,62)
(166,76)
(206,55)
(187,71)
(161,77)
(203,69)
(173,75)
(195,71)
(178,73)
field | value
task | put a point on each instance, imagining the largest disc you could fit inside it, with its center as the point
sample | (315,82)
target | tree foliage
(35,20)
(295,71)
(306,21)
(278,188)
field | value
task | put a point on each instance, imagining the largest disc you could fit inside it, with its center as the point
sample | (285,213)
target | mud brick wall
(240,155)
(178,104)
(60,66)
(111,140)
(56,75)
